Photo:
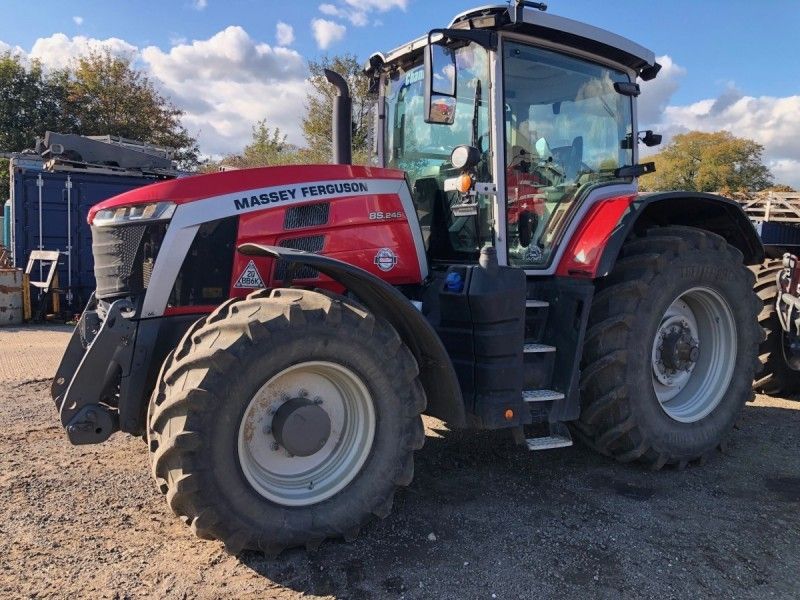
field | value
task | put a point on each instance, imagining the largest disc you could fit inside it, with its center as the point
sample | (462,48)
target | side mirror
(440,84)
(650,139)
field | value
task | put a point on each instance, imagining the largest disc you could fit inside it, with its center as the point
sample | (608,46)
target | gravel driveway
(482,518)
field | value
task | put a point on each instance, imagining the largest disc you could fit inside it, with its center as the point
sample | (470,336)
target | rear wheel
(671,349)
(780,369)
(285,419)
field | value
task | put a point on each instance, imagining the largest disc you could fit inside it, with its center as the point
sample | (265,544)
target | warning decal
(250,277)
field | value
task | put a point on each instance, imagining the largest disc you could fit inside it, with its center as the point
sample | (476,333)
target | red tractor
(277,333)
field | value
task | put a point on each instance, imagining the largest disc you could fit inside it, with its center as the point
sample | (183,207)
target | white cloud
(199,4)
(14,50)
(657,92)
(228,82)
(284,34)
(357,17)
(58,50)
(379,5)
(224,84)
(330,10)
(772,122)
(78,21)
(327,32)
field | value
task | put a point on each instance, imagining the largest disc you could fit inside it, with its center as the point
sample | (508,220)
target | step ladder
(559,436)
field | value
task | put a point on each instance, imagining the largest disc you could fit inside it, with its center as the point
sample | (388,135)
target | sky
(728,64)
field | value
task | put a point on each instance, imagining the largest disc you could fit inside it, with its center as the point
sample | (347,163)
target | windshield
(566,129)
(423,150)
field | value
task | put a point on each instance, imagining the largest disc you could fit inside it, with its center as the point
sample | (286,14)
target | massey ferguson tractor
(276,333)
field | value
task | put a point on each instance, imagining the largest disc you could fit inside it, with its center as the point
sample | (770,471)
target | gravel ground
(505,523)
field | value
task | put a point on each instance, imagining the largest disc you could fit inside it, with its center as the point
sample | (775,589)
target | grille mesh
(115,266)
(309,215)
(312,243)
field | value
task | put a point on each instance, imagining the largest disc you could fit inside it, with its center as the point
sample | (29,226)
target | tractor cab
(543,106)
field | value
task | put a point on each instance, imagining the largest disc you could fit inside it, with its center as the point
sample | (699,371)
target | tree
(780,187)
(267,147)
(317,122)
(31,102)
(709,162)
(107,95)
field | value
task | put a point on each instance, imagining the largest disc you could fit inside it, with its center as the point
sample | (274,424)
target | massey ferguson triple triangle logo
(250,277)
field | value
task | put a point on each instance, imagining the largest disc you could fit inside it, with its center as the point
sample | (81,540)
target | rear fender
(709,212)
(436,370)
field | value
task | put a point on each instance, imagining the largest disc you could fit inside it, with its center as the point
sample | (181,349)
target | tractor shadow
(483,516)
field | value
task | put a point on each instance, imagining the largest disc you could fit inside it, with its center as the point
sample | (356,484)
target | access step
(541,395)
(536,304)
(548,442)
(533,348)
(559,438)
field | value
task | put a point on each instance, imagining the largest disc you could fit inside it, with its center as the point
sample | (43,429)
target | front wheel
(671,349)
(285,419)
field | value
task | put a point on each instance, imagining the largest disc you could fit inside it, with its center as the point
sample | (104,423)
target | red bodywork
(361,229)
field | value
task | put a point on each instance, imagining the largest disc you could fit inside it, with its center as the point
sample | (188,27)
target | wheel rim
(693,355)
(318,394)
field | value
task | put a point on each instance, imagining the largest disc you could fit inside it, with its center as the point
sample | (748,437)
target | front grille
(312,243)
(120,254)
(310,215)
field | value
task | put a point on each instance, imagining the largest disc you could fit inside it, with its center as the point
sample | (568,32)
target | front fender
(710,212)
(435,368)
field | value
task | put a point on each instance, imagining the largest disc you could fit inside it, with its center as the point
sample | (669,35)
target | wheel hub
(306,433)
(693,354)
(680,350)
(301,426)
(676,349)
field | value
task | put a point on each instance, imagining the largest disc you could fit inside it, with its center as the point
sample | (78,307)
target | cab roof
(543,26)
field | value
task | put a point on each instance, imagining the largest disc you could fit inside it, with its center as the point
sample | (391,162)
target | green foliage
(31,102)
(780,187)
(267,147)
(99,94)
(709,162)
(317,122)
(5,182)
(107,95)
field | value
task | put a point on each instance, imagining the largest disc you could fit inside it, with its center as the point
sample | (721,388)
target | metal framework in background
(780,207)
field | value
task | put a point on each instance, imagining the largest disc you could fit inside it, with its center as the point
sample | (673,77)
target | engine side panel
(369,232)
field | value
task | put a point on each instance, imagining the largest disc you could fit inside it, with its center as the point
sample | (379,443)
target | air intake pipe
(342,142)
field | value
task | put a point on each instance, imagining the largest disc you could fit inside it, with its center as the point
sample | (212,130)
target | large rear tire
(285,419)
(777,377)
(671,349)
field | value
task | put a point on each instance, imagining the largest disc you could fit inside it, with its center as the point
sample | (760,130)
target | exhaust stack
(342,144)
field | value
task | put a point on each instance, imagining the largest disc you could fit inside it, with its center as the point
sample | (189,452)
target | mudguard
(710,212)
(436,371)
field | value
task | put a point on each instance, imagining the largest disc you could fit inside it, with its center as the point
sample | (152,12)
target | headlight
(122,215)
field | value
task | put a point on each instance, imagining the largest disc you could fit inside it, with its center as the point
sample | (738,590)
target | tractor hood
(244,188)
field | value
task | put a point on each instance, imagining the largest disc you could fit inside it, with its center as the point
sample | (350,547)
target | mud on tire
(776,376)
(207,383)
(621,414)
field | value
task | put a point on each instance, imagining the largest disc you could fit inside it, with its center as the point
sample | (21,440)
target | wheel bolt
(317,400)
(274,445)
(303,393)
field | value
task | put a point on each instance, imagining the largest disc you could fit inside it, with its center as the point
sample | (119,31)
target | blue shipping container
(79,191)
